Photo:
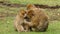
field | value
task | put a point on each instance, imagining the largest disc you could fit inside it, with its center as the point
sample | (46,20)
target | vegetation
(6,23)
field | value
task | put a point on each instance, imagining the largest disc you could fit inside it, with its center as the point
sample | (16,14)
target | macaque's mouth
(27,19)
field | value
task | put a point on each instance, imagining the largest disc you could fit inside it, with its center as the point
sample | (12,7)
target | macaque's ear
(29,6)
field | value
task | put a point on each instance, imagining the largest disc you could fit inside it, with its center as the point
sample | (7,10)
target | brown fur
(37,19)
(32,19)
(19,20)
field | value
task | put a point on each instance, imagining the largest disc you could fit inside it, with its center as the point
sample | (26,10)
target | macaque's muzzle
(27,19)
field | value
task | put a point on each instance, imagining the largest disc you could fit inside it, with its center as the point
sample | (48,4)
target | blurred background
(9,9)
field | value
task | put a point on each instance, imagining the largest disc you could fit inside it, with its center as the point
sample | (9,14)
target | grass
(6,24)
(45,2)
(6,27)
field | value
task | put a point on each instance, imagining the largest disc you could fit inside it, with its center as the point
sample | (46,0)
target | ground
(6,23)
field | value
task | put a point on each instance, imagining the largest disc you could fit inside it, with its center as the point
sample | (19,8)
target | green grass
(6,27)
(45,2)
(6,24)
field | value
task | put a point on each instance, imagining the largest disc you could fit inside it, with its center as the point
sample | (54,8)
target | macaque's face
(29,14)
